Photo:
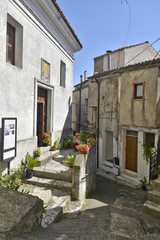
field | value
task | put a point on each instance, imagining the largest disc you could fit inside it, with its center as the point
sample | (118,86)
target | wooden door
(131,153)
(41,114)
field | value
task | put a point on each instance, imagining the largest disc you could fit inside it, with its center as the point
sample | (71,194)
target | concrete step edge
(50,183)
(126,180)
(55,213)
(152,206)
(47,156)
(52,175)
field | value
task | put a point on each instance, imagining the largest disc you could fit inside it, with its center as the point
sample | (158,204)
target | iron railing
(154,162)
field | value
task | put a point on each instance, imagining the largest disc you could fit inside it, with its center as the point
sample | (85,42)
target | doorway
(41,114)
(131,150)
(109,146)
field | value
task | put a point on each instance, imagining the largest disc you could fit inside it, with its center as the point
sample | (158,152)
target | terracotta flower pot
(71,170)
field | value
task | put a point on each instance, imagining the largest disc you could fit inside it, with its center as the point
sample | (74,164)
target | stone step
(110,169)
(103,173)
(53,170)
(47,156)
(55,201)
(128,181)
(152,209)
(45,149)
(50,183)
(155,185)
(154,196)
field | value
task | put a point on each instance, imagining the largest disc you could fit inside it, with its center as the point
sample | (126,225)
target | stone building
(37,54)
(128,118)
(125,97)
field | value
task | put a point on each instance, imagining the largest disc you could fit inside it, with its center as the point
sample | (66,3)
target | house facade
(128,119)
(123,94)
(37,54)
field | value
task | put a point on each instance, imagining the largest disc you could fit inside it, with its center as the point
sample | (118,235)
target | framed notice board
(9,139)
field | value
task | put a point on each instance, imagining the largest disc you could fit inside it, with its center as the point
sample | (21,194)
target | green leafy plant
(68,142)
(70,161)
(143,183)
(37,152)
(56,145)
(12,180)
(30,162)
(46,139)
(84,135)
(26,191)
(91,141)
(147,151)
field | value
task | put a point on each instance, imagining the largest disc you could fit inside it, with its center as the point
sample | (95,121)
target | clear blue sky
(103,25)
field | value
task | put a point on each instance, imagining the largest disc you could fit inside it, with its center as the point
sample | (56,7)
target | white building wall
(17,93)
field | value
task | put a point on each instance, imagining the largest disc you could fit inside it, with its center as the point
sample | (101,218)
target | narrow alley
(113,211)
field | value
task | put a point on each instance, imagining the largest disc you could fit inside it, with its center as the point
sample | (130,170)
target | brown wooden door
(131,153)
(41,114)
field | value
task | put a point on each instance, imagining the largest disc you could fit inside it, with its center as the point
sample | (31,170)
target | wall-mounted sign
(45,70)
(9,138)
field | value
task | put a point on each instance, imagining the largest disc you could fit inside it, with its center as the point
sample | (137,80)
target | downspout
(79,119)
(98,115)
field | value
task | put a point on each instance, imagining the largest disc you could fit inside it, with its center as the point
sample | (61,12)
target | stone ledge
(19,212)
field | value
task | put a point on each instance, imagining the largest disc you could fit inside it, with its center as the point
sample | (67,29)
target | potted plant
(30,164)
(68,142)
(37,152)
(147,151)
(91,141)
(74,145)
(56,145)
(83,148)
(143,183)
(70,162)
(46,139)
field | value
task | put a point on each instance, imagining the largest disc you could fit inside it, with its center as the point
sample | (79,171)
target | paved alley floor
(113,211)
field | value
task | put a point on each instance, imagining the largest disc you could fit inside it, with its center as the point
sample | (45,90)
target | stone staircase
(52,182)
(152,205)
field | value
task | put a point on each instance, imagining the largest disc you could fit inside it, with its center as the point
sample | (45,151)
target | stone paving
(113,211)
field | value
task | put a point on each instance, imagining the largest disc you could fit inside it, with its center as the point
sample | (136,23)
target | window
(62,74)
(14,42)
(10,51)
(138,91)
(149,139)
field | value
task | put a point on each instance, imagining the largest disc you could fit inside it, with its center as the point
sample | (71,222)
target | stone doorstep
(128,181)
(110,169)
(109,175)
(152,209)
(50,183)
(47,156)
(155,185)
(154,196)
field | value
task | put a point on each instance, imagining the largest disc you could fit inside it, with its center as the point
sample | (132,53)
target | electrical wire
(129,25)
(117,69)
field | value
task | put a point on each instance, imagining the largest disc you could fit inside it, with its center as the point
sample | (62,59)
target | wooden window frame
(135,91)
(9,45)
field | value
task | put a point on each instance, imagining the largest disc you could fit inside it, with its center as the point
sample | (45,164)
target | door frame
(50,105)
(136,137)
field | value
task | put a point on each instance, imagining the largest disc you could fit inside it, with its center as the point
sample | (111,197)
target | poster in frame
(9,139)
(45,70)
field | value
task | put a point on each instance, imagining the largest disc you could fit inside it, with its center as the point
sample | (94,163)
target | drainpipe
(79,119)
(98,115)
